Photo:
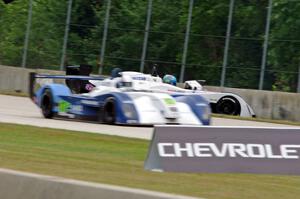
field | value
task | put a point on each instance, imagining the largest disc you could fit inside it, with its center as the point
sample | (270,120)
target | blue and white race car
(220,102)
(116,100)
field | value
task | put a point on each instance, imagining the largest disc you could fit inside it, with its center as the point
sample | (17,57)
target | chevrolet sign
(225,149)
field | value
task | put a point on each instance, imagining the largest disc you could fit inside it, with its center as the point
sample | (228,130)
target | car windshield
(124,84)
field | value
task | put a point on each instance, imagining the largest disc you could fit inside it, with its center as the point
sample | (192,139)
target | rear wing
(33,76)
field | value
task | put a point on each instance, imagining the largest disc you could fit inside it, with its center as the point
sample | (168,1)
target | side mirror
(193,85)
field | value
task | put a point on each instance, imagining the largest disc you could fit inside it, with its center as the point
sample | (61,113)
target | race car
(221,103)
(117,100)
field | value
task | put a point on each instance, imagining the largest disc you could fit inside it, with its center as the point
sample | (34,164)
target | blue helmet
(170,79)
(116,72)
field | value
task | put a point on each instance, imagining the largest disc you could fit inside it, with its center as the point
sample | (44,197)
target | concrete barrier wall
(16,79)
(13,79)
(16,185)
(266,104)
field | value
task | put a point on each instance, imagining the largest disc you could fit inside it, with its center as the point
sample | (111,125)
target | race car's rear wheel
(109,111)
(228,105)
(47,104)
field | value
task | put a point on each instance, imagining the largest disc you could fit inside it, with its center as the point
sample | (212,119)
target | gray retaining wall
(16,79)
(268,104)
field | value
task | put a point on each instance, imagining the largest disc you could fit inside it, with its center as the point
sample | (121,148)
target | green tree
(12,32)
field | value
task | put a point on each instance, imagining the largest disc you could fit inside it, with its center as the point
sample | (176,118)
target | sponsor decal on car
(63,106)
(89,102)
(138,78)
(169,101)
(77,108)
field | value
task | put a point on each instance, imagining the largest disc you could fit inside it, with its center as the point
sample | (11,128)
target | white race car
(221,103)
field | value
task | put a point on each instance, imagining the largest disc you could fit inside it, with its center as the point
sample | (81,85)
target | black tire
(109,111)
(47,104)
(228,105)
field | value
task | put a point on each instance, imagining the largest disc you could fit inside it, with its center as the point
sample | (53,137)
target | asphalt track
(20,110)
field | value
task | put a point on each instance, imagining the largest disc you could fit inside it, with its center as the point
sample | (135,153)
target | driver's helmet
(170,79)
(116,72)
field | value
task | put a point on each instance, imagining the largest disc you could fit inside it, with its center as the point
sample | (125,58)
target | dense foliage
(166,38)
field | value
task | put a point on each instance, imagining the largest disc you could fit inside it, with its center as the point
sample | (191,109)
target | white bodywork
(147,82)
(152,107)
(212,97)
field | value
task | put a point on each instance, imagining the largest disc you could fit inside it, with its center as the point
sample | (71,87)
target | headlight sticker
(169,101)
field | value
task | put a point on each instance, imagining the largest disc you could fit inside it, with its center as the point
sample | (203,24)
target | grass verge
(119,161)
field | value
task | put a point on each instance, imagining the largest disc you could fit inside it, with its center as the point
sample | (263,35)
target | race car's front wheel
(228,105)
(47,104)
(109,111)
